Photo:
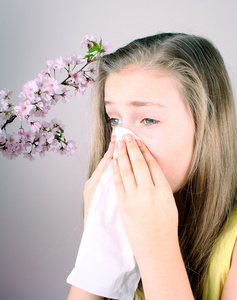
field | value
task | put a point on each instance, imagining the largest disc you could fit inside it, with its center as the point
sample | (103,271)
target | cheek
(174,157)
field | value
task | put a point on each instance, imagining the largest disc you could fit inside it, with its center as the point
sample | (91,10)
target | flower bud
(21,131)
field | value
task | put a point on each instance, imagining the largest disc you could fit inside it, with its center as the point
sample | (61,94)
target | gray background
(40,212)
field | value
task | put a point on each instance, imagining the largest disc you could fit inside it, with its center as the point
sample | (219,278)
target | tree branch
(10,120)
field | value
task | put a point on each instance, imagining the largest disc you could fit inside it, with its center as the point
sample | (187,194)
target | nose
(133,129)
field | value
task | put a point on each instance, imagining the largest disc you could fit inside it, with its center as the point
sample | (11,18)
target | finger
(103,164)
(125,167)
(139,165)
(108,156)
(157,174)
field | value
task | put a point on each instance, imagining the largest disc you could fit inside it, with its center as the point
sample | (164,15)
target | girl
(177,188)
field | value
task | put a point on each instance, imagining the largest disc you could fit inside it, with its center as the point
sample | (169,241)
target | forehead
(139,84)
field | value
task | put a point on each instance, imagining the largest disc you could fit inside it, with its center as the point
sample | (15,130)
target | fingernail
(128,137)
(120,144)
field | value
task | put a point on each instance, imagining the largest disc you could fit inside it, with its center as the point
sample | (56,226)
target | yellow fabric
(139,294)
(136,297)
(221,259)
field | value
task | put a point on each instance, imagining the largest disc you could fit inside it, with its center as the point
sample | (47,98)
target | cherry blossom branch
(8,121)
(37,97)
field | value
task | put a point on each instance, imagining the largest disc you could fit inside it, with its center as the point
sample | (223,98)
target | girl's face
(149,104)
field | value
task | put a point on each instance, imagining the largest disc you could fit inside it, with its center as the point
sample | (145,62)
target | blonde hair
(209,193)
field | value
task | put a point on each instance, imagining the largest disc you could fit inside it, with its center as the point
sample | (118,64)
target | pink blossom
(59,63)
(23,109)
(30,87)
(50,85)
(55,99)
(12,138)
(70,147)
(39,80)
(42,73)
(6,115)
(68,60)
(35,126)
(44,126)
(50,65)
(50,137)
(41,145)
(6,105)
(80,89)
(78,93)
(29,137)
(30,119)
(13,147)
(36,99)
(76,59)
(8,153)
(64,96)
(42,153)
(24,96)
(46,96)
(106,47)
(86,41)
(92,71)
(42,110)
(5,94)
(28,156)
(53,145)
(77,77)
(55,123)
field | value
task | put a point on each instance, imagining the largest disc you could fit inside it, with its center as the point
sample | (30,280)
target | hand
(92,183)
(146,202)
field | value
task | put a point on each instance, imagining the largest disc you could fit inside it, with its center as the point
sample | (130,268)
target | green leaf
(95,44)
(89,56)
(94,48)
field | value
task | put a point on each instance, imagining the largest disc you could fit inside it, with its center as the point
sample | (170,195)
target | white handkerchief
(105,264)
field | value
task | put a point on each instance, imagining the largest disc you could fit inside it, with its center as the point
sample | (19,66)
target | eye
(148,121)
(114,122)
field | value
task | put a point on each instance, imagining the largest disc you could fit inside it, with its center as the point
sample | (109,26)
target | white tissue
(105,264)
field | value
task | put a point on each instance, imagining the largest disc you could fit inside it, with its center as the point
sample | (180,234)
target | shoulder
(230,287)
(222,271)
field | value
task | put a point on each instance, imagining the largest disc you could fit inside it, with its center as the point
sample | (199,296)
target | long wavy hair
(209,193)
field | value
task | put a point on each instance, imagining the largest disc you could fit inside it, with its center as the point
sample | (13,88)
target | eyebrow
(138,103)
